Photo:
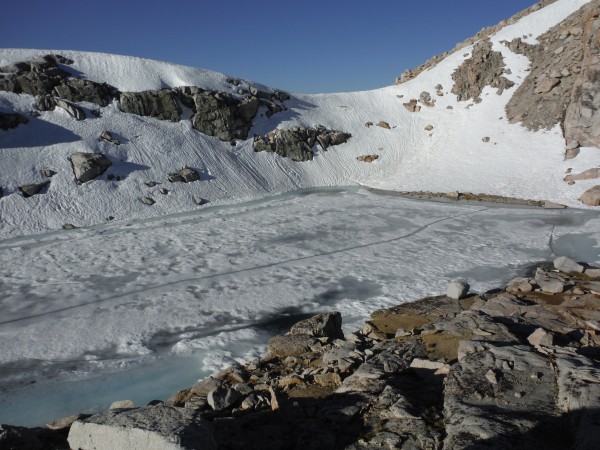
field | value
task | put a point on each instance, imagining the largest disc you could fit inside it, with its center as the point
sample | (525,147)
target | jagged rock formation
(484,68)
(485,33)
(87,166)
(29,190)
(220,114)
(297,143)
(160,104)
(562,86)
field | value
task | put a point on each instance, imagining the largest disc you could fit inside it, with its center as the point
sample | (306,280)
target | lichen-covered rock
(161,104)
(484,68)
(87,166)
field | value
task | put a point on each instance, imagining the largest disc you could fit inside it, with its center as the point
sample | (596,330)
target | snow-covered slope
(452,157)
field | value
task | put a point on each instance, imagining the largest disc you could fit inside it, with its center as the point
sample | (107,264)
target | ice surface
(197,291)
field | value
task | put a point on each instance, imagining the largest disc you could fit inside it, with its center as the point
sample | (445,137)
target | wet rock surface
(510,368)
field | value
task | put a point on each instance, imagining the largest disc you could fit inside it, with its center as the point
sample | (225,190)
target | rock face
(87,166)
(12,120)
(297,143)
(160,104)
(79,90)
(484,68)
(222,115)
(148,428)
(562,86)
(582,121)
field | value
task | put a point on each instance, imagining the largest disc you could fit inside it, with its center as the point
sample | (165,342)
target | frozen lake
(138,310)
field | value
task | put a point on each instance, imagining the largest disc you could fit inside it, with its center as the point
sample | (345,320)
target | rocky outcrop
(562,87)
(485,33)
(224,116)
(589,174)
(582,120)
(161,104)
(87,166)
(36,77)
(151,427)
(12,120)
(80,90)
(484,68)
(297,143)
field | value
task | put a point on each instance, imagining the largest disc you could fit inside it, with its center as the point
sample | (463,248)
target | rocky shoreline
(515,368)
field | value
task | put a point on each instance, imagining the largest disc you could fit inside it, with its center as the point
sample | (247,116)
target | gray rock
(29,190)
(185,175)
(199,200)
(223,398)
(65,422)
(73,110)
(161,104)
(519,285)
(458,289)
(567,265)
(48,173)
(148,201)
(322,325)
(12,120)
(222,115)
(591,197)
(470,398)
(297,143)
(87,166)
(45,103)
(80,90)
(147,428)
(550,285)
(105,135)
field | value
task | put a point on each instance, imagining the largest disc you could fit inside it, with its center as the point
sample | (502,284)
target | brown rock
(591,197)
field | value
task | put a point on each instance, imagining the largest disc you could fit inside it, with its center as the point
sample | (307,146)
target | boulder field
(515,368)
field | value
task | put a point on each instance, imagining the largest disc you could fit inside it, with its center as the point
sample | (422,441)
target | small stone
(491,377)
(539,338)
(578,291)
(383,124)
(66,422)
(148,201)
(369,124)
(68,226)
(594,273)
(458,289)
(163,191)
(150,183)
(485,139)
(199,200)
(48,173)
(429,128)
(591,197)
(122,404)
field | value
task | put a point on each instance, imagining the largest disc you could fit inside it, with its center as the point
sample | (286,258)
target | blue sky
(302,46)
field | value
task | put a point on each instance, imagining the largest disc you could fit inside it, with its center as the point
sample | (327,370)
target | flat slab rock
(147,428)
